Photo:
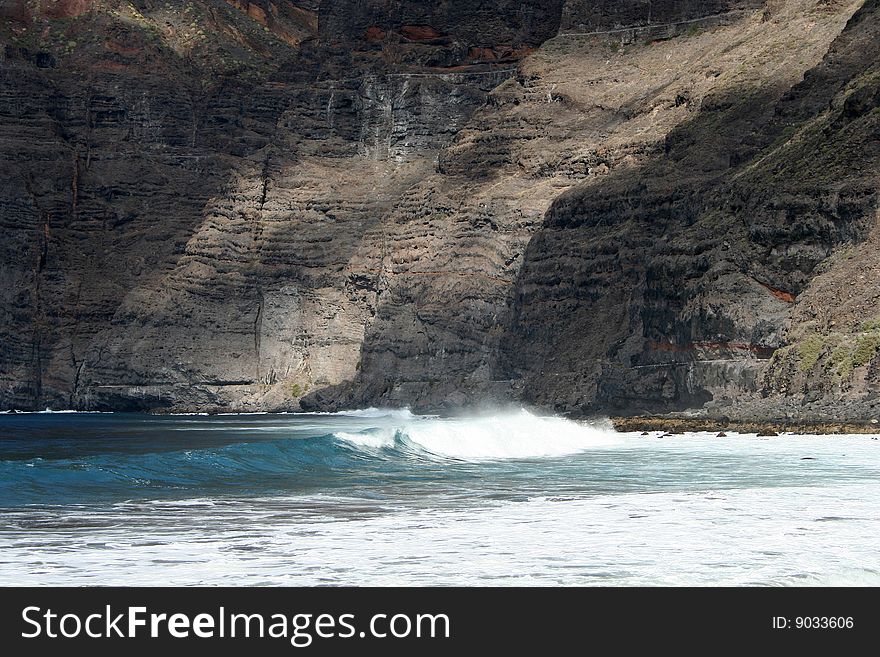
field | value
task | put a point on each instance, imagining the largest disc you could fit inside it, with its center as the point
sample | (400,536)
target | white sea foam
(15,411)
(766,536)
(398,413)
(236,413)
(373,438)
(500,435)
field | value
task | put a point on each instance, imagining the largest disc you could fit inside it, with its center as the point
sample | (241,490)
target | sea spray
(498,435)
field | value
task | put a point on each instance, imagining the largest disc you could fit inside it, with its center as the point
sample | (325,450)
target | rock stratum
(607,207)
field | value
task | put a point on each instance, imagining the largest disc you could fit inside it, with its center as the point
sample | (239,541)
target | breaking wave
(505,435)
(273,454)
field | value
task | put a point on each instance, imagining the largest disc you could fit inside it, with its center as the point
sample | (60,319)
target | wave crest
(505,435)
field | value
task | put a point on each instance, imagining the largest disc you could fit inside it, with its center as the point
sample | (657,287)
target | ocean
(386,497)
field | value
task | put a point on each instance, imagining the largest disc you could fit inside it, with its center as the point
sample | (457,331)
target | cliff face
(603,206)
(670,284)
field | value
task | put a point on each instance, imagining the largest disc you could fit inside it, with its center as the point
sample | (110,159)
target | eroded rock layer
(596,207)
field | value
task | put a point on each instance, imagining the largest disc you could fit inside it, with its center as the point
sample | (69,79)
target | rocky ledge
(676,425)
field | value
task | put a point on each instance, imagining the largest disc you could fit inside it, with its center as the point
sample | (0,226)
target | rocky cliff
(594,207)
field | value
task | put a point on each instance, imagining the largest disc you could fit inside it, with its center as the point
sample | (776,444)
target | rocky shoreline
(676,425)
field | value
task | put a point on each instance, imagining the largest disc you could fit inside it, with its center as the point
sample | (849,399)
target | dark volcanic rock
(670,285)
(590,15)
(529,22)
(300,204)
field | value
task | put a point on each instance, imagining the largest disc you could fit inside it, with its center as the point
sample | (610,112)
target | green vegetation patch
(866,348)
(870,325)
(298,390)
(839,353)
(809,351)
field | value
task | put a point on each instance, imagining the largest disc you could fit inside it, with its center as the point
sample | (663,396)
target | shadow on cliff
(103,215)
(653,288)
(132,146)
(576,300)
(664,287)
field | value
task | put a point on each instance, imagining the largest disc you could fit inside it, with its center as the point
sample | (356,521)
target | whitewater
(388,497)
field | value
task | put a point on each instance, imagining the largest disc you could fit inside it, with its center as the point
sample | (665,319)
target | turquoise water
(387,497)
